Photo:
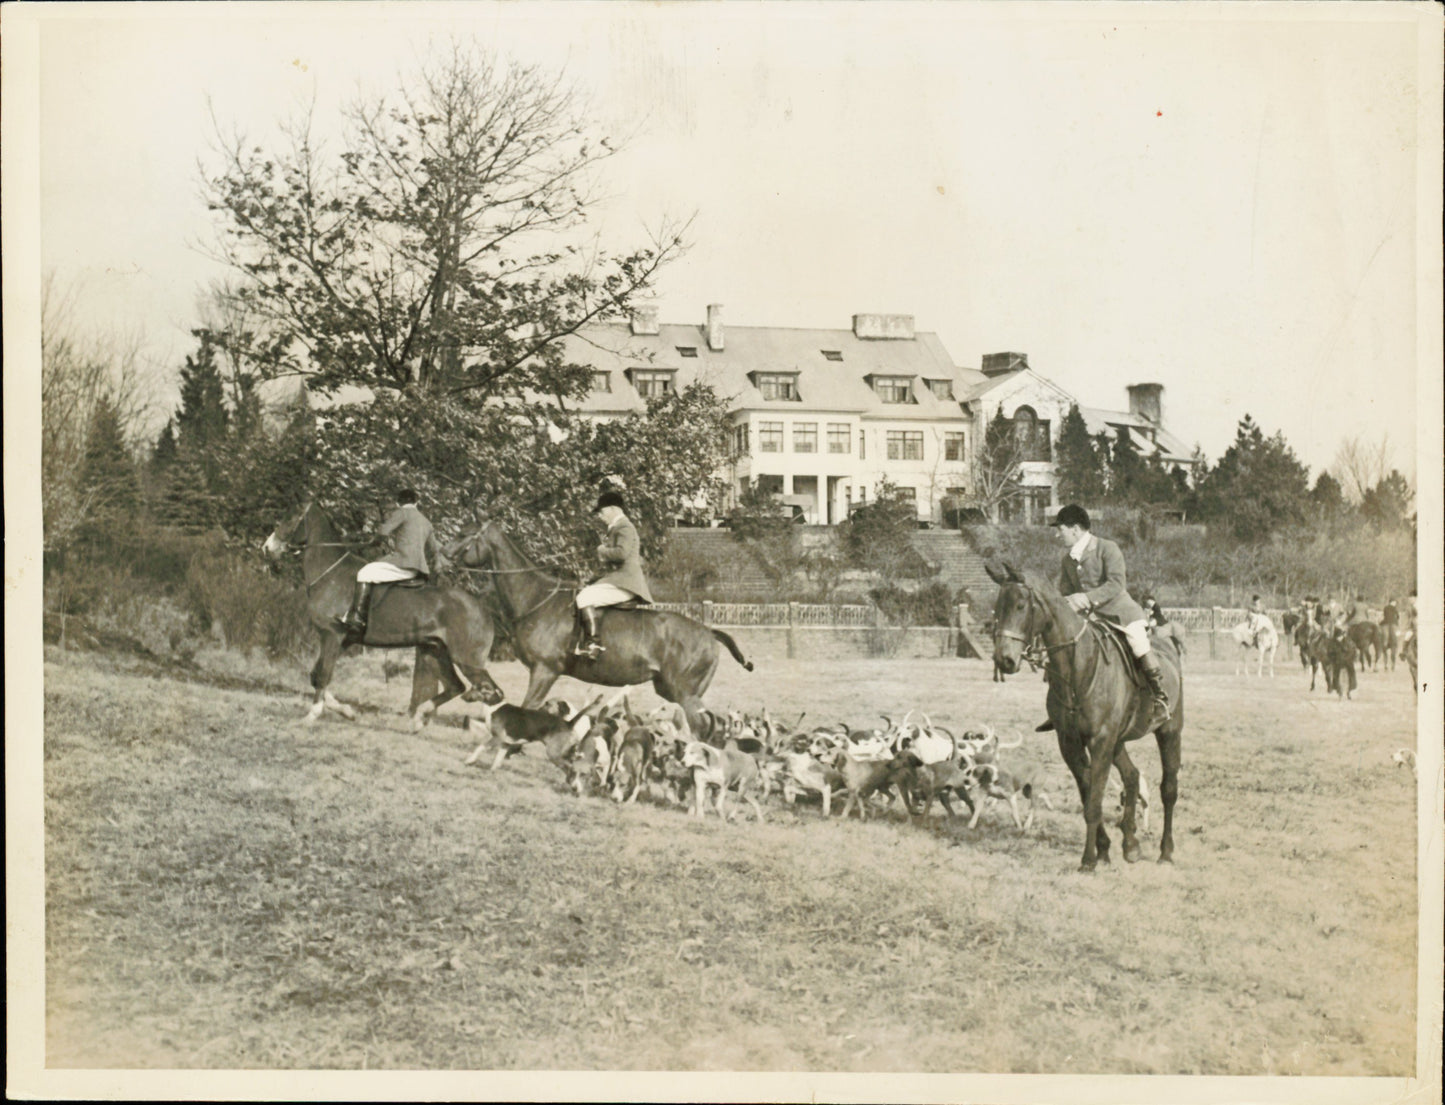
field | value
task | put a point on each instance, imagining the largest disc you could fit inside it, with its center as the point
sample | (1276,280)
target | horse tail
(732,646)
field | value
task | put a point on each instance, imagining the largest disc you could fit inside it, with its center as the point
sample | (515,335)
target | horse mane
(516,550)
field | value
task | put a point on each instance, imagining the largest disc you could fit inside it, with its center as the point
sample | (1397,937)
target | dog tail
(732,646)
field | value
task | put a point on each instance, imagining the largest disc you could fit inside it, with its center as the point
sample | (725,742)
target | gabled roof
(1169,447)
(823,385)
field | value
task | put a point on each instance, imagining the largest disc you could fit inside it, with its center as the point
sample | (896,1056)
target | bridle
(1038,652)
(558,585)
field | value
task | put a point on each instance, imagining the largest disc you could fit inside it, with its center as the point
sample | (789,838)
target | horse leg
(484,688)
(426,679)
(1096,840)
(1129,774)
(1169,740)
(452,686)
(1076,757)
(321,674)
(538,684)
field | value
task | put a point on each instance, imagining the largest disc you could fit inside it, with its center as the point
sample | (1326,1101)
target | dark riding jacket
(412,541)
(1100,576)
(623,548)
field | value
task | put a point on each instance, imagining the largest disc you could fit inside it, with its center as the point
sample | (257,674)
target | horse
(1338,658)
(1289,623)
(448,627)
(1389,644)
(1368,642)
(676,654)
(1410,652)
(1096,702)
(1311,640)
(1257,634)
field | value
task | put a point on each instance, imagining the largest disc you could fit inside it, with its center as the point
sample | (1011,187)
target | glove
(1080,603)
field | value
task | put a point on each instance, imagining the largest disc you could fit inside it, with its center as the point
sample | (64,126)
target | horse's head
(1018,617)
(286,535)
(474,550)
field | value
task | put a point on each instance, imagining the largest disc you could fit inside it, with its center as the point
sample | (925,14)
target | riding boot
(355,620)
(1149,663)
(589,646)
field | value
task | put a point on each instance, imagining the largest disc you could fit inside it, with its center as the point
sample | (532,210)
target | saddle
(1116,642)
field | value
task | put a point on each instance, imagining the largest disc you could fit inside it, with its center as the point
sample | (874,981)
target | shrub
(252,607)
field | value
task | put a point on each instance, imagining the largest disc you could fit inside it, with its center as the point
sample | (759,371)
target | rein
(1038,652)
(558,585)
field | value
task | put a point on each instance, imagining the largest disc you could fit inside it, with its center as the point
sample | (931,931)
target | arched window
(1031,433)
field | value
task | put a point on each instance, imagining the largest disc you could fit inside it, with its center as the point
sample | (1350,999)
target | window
(650,384)
(941,388)
(740,440)
(805,437)
(909,493)
(770,437)
(893,389)
(955,446)
(778,385)
(905,444)
(839,439)
(686,350)
(602,381)
(1031,434)
(832,354)
(862,445)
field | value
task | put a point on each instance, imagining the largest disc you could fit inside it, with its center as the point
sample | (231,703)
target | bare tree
(997,466)
(442,250)
(78,372)
(1360,465)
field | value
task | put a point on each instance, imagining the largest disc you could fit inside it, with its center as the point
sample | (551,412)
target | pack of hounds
(607,749)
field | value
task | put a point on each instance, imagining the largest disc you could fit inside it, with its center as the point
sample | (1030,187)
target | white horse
(1257,634)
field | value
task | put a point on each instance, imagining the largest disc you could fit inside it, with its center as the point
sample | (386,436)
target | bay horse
(1369,642)
(1311,640)
(1096,704)
(448,627)
(677,655)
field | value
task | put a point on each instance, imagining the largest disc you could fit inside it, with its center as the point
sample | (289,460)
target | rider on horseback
(621,549)
(1256,618)
(411,541)
(1092,577)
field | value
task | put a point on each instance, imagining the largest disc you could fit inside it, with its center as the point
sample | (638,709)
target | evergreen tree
(1386,506)
(109,484)
(202,421)
(164,452)
(1126,468)
(1081,471)
(1258,487)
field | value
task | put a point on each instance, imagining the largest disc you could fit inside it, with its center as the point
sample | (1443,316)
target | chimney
(883,327)
(644,320)
(996,364)
(714,327)
(1147,401)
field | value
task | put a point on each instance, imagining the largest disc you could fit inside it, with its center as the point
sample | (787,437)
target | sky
(1125,193)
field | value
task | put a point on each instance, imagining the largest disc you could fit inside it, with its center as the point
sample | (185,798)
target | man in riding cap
(621,549)
(1255,617)
(411,541)
(1092,578)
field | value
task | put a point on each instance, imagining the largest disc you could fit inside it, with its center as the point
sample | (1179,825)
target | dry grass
(228,888)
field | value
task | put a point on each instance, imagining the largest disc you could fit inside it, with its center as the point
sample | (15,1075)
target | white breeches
(603,594)
(1137,634)
(379,571)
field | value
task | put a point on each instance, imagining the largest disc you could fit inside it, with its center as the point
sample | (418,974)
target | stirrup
(589,649)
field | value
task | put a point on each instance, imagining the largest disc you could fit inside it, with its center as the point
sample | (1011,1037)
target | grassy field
(227,887)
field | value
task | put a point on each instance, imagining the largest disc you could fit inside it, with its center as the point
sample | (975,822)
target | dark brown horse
(1369,643)
(1095,702)
(676,654)
(448,627)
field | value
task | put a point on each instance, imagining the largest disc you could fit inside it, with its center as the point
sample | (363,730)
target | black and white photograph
(736,551)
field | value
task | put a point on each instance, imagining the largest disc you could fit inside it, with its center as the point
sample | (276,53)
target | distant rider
(411,541)
(1093,579)
(621,549)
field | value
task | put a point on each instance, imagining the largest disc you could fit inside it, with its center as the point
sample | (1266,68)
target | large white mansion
(820,417)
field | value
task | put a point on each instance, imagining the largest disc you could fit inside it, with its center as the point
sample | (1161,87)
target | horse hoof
(1132,855)
(1167,859)
(1087,869)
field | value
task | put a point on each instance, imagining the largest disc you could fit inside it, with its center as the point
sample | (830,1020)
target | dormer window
(893,389)
(832,354)
(653,382)
(942,389)
(601,381)
(686,350)
(776,385)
